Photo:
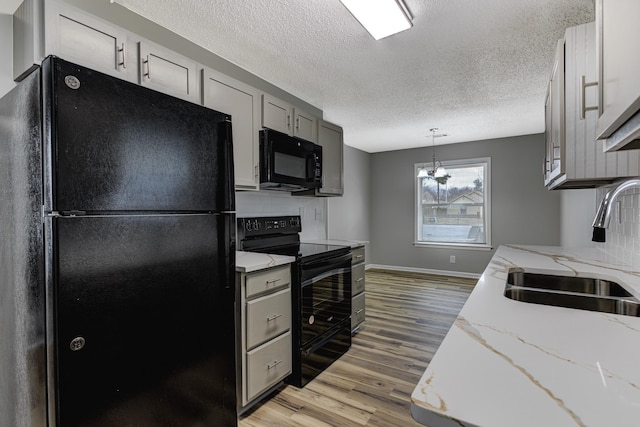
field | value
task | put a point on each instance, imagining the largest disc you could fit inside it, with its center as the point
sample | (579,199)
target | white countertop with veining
(246,262)
(507,363)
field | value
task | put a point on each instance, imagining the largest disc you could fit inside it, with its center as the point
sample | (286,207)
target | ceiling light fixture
(436,170)
(381,18)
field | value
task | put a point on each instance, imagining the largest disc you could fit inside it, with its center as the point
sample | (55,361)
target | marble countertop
(507,363)
(246,262)
(351,243)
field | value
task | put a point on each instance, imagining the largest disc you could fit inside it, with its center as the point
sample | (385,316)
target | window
(455,209)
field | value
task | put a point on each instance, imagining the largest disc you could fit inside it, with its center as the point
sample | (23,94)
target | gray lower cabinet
(357,288)
(264,335)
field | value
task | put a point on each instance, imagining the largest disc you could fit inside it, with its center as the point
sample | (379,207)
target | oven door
(326,295)
(289,163)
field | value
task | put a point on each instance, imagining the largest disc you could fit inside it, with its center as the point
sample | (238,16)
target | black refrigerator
(117,245)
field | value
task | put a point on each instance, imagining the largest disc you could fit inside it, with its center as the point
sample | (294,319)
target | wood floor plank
(408,315)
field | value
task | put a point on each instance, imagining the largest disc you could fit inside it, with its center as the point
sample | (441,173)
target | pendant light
(436,169)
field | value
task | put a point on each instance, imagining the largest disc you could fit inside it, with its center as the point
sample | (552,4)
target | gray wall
(523,211)
(6,53)
(348,216)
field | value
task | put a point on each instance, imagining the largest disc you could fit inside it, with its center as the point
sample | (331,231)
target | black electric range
(321,291)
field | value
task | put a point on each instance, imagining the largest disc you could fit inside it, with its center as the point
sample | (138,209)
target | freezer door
(144,316)
(117,146)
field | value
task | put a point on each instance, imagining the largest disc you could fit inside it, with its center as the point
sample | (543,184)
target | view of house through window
(454,208)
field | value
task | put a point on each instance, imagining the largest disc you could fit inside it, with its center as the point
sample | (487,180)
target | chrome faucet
(603,216)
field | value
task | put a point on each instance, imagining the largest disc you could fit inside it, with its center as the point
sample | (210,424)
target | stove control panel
(260,226)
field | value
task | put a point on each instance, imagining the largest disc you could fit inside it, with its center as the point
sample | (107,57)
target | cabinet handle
(272,281)
(360,279)
(360,311)
(583,89)
(274,364)
(148,73)
(359,256)
(123,49)
(274,317)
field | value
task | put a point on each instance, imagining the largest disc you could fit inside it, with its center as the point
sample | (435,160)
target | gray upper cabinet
(618,68)
(82,38)
(72,35)
(554,114)
(330,138)
(284,117)
(166,71)
(222,93)
(583,162)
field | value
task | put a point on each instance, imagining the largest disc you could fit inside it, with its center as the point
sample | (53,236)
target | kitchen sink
(571,292)
(585,285)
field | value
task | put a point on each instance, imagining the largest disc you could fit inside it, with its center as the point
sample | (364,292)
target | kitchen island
(510,363)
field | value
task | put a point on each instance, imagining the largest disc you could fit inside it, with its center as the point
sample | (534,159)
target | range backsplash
(623,236)
(312,210)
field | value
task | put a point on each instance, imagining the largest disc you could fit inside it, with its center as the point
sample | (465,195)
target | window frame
(480,161)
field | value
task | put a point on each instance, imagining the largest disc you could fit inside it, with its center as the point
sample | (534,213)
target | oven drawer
(357,310)
(357,255)
(267,280)
(268,316)
(268,364)
(357,279)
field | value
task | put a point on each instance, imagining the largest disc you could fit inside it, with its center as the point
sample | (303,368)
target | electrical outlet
(318,214)
(452,259)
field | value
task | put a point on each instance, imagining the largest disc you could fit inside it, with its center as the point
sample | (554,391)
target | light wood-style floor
(408,315)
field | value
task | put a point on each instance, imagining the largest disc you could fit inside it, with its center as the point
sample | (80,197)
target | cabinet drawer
(268,316)
(267,280)
(268,364)
(357,310)
(357,279)
(357,255)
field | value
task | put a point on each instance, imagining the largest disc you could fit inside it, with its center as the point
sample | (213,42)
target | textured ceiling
(474,69)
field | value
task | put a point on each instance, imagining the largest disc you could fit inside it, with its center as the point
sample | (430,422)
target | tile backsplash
(623,235)
(312,210)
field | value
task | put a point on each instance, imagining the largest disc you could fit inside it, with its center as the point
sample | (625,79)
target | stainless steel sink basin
(571,292)
(583,285)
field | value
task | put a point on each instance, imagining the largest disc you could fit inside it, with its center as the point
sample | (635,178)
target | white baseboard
(425,271)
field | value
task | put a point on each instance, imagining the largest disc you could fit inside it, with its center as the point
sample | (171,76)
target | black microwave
(288,163)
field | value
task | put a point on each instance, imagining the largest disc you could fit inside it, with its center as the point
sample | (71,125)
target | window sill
(441,245)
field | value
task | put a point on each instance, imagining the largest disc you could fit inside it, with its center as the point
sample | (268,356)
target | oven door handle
(328,262)
(325,274)
(322,342)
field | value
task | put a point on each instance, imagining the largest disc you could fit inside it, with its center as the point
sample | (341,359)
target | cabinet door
(619,63)
(267,365)
(305,125)
(242,101)
(168,72)
(268,317)
(330,138)
(357,310)
(555,118)
(83,39)
(276,114)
